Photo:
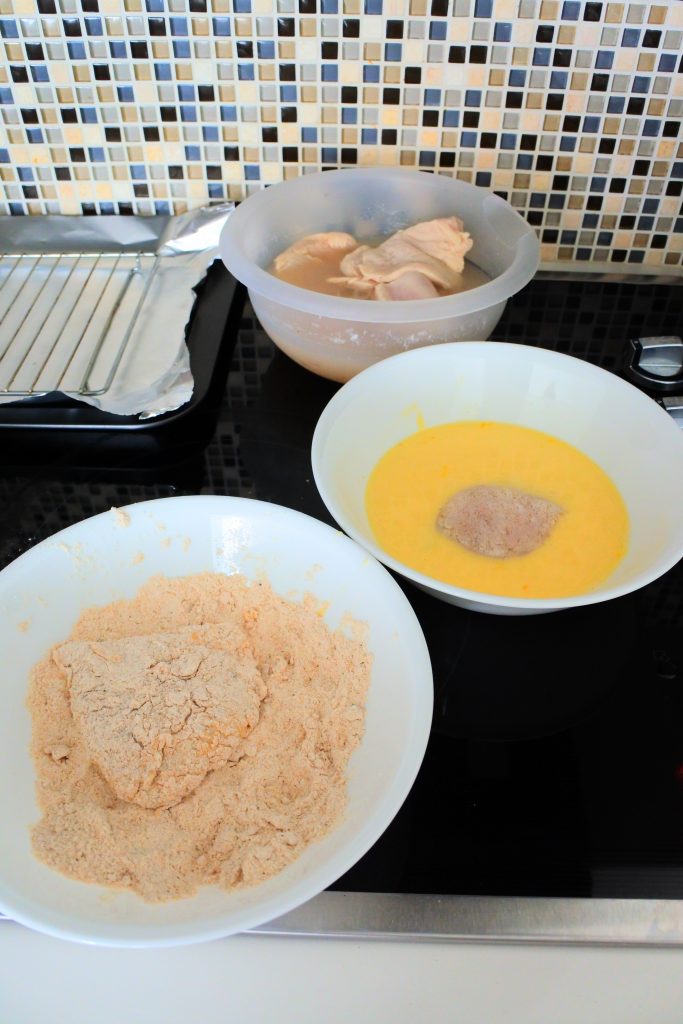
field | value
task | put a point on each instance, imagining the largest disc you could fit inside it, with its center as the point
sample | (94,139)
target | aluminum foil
(96,307)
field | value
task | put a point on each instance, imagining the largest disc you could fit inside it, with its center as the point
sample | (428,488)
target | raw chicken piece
(156,713)
(317,247)
(434,249)
(498,521)
(410,285)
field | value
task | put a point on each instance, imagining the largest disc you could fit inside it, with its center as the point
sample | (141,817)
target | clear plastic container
(339,337)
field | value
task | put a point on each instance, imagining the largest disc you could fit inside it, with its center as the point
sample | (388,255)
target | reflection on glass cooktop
(555,765)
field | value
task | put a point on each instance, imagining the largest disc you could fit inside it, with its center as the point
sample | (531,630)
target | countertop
(254,979)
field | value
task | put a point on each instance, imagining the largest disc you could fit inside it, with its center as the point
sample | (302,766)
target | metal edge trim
(561,921)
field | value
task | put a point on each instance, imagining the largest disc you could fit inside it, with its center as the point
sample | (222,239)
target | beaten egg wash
(415,479)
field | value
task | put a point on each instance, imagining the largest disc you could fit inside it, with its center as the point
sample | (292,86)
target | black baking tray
(208,337)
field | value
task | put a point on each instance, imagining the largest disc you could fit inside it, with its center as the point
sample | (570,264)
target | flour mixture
(197,734)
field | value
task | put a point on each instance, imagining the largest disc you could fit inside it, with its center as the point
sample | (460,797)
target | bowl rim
(160,935)
(262,283)
(345,396)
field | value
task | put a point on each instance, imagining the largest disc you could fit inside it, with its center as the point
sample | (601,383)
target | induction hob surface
(555,764)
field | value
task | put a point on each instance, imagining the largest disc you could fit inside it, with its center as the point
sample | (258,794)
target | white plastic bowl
(338,337)
(95,562)
(626,433)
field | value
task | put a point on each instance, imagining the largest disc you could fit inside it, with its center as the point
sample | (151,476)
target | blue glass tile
(392,51)
(137,172)
(76,51)
(640,84)
(88,115)
(245,72)
(438,30)
(483,179)
(107,209)
(117,49)
(427,159)
(329,155)
(330,6)
(17,210)
(677,170)
(432,97)
(39,73)
(483,8)
(558,79)
(192,153)
(181,48)
(215,190)
(210,133)
(349,115)
(615,105)
(186,92)
(288,93)
(646,223)
(678,226)
(631,37)
(25,173)
(468,140)
(96,154)
(590,220)
(502,33)
(162,208)
(34,135)
(650,205)
(373,6)
(163,72)
(568,143)
(228,113)
(188,113)
(266,49)
(5,96)
(591,124)
(4,156)
(605,237)
(667,62)
(451,118)
(370,73)
(368,136)
(583,254)
(651,127)
(556,202)
(309,134)
(598,184)
(517,77)
(154,6)
(473,98)
(571,10)
(125,93)
(636,257)
(242,6)
(604,59)
(178,26)
(537,200)
(568,238)
(93,26)
(8,28)
(221,26)
(330,73)
(541,57)
(508,141)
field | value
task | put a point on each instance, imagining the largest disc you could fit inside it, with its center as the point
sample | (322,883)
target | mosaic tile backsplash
(570,109)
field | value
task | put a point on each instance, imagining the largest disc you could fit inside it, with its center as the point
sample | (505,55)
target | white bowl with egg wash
(109,557)
(338,337)
(626,433)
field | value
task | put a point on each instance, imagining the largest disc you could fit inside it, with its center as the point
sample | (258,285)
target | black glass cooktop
(555,765)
